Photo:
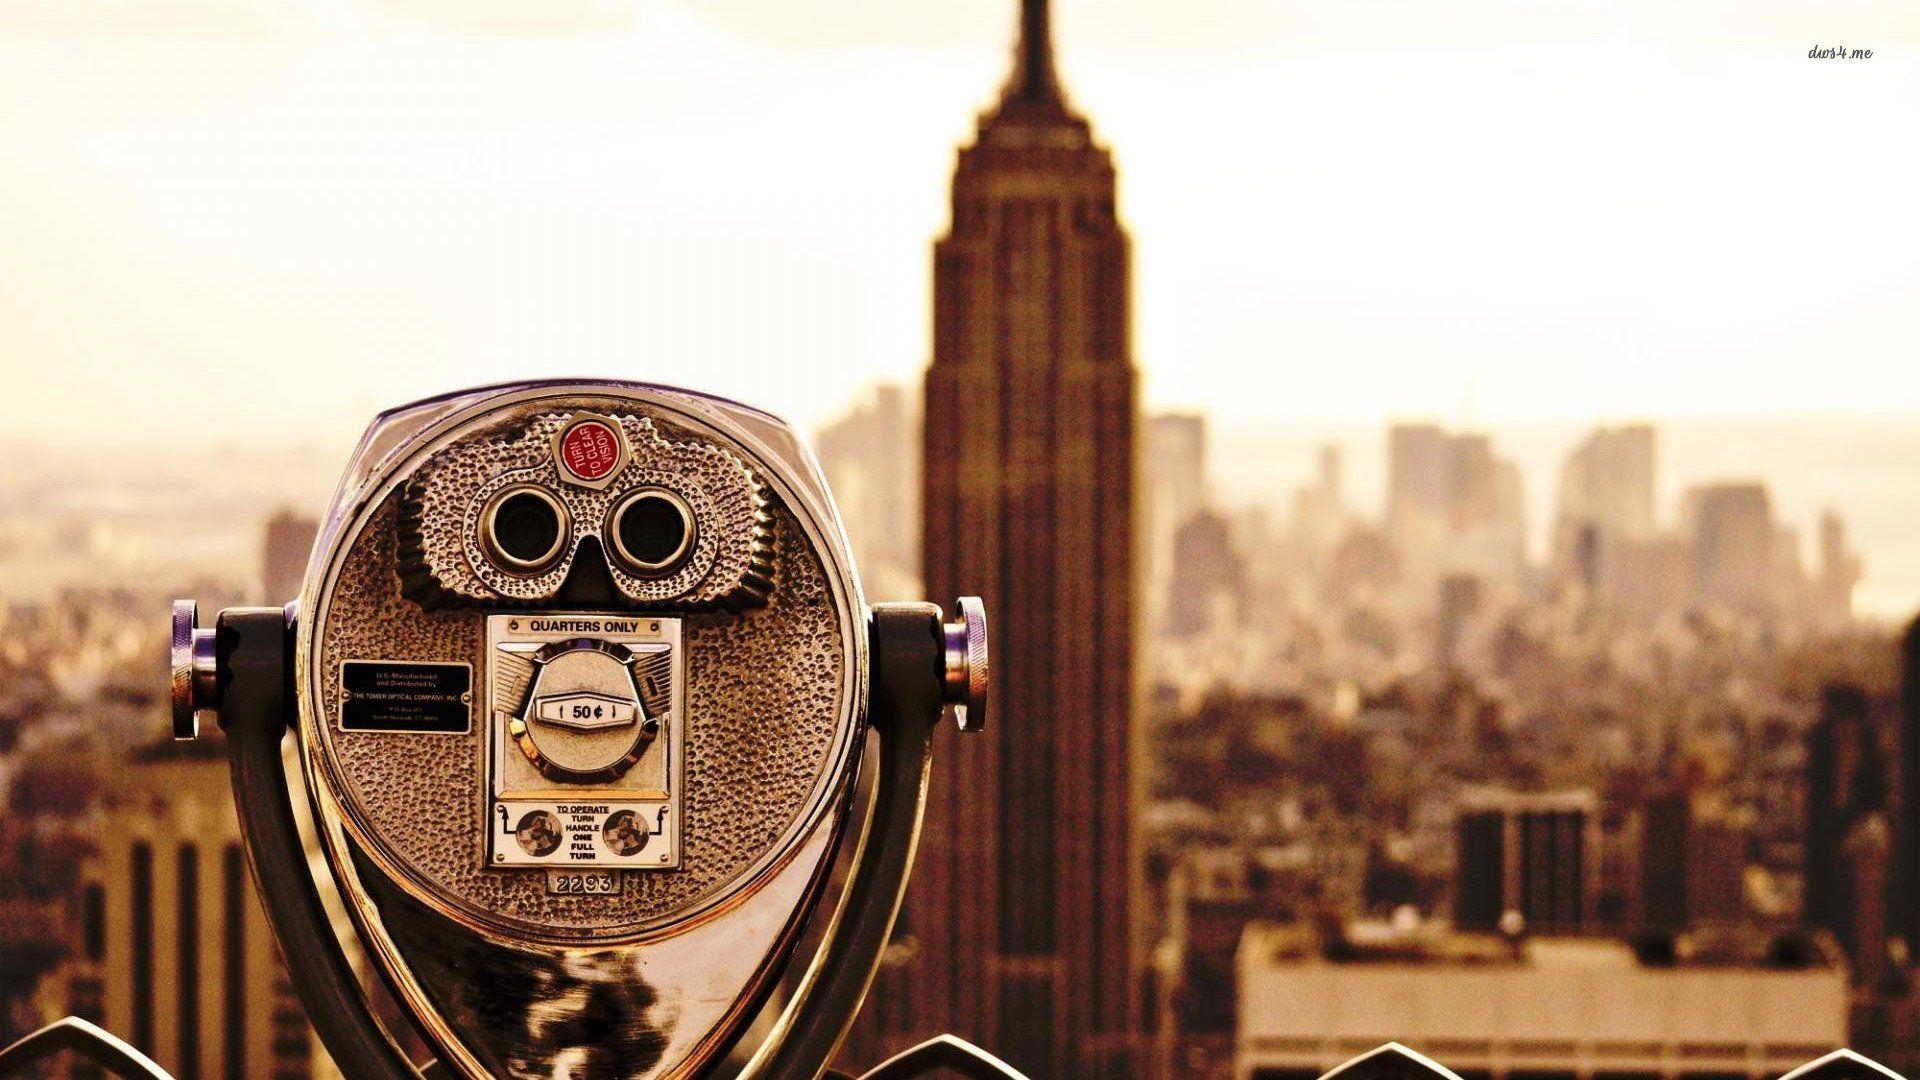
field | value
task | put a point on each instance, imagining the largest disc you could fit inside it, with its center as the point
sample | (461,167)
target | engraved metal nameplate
(406,695)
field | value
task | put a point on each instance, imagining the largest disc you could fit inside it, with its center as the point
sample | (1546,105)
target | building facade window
(187,925)
(233,1023)
(140,878)
(93,923)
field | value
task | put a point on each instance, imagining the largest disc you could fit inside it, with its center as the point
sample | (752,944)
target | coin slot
(652,531)
(524,529)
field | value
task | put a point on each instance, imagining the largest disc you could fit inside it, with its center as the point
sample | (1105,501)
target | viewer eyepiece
(524,529)
(652,530)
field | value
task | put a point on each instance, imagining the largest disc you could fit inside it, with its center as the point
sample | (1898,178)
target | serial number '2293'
(574,882)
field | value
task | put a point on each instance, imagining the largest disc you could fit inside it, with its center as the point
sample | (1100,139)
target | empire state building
(1021,914)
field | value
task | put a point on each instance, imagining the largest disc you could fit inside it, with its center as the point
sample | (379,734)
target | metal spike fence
(1396,1062)
(86,1040)
(946,1056)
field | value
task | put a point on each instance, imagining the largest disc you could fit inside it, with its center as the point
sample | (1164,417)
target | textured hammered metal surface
(764,701)
(440,517)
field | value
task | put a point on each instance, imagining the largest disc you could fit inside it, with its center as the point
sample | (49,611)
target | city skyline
(1264,472)
(1257,468)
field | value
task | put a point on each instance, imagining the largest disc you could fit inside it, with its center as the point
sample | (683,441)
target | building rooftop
(1436,944)
(1576,1006)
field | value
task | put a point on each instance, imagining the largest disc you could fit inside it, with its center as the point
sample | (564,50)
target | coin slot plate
(564,691)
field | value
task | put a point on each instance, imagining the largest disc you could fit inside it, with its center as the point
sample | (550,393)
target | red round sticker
(590,450)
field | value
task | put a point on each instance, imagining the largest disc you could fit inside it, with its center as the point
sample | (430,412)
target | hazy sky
(236,215)
(239,213)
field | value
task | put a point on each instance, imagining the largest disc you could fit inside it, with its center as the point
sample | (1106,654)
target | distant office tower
(1692,863)
(1907,861)
(1453,504)
(1208,586)
(171,950)
(871,458)
(1663,861)
(1023,901)
(1840,572)
(1833,762)
(1608,480)
(1460,596)
(1418,462)
(1320,517)
(1869,847)
(1473,481)
(1327,479)
(1847,801)
(1173,488)
(284,548)
(1606,505)
(1175,465)
(1789,585)
(1530,854)
(1734,545)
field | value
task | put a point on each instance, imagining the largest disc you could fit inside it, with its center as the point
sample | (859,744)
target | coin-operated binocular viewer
(604,767)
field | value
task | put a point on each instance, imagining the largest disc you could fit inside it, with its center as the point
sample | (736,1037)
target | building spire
(1034,81)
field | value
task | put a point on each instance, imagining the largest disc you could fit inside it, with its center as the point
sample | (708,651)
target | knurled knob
(196,683)
(968,673)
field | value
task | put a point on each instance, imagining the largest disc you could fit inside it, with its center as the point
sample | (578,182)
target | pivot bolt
(196,670)
(967,677)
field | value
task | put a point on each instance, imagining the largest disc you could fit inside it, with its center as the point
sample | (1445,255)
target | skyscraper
(284,546)
(1207,587)
(1419,459)
(1608,480)
(1907,859)
(1173,489)
(1692,861)
(869,458)
(1319,515)
(1460,599)
(1840,573)
(1606,503)
(1833,754)
(1453,505)
(171,948)
(1526,854)
(1848,786)
(1021,914)
(1734,543)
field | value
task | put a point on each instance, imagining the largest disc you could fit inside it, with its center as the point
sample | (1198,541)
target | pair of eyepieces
(525,530)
